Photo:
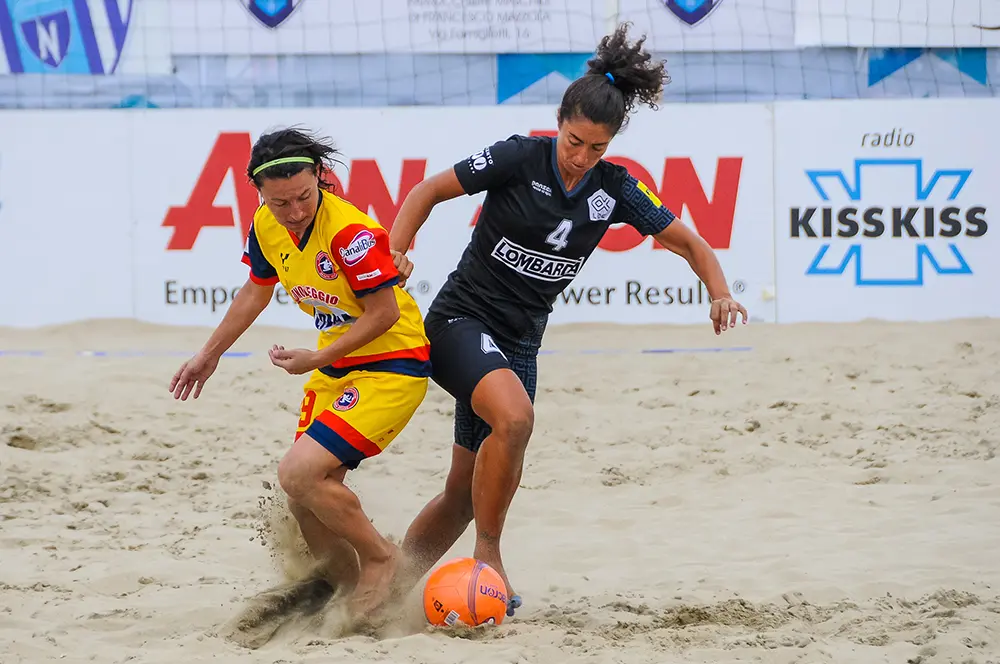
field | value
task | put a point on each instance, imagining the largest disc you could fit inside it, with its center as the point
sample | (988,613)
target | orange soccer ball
(465,590)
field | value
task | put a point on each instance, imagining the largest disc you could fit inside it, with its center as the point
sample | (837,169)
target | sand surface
(818,493)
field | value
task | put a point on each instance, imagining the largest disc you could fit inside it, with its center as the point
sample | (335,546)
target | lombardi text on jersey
(535,264)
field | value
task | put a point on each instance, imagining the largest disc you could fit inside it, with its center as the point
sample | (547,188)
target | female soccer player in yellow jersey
(371,367)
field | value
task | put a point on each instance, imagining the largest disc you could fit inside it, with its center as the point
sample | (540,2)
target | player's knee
(515,427)
(295,477)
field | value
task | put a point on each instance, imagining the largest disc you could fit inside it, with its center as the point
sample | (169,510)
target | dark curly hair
(609,100)
(292,142)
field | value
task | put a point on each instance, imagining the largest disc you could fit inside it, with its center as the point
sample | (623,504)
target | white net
(301,53)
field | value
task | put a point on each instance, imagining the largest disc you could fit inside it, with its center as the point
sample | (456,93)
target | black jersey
(533,236)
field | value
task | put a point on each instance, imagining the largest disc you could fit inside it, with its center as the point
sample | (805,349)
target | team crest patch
(64,36)
(347,400)
(692,12)
(601,205)
(271,13)
(325,267)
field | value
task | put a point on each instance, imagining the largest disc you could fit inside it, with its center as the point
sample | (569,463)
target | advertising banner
(193,205)
(897,23)
(712,25)
(885,209)
(244,27)
(65,224)
(85,37)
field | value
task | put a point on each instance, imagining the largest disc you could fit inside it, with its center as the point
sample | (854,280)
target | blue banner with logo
(64,36)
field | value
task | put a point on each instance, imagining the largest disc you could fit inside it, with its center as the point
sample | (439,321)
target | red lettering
(368,191)
(713,219)
(231,152)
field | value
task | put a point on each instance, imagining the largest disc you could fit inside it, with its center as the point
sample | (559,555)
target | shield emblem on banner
(65,36)
(48,37)
(271,13)
(692,12)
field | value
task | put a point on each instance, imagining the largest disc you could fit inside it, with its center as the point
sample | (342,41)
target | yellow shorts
(356,417)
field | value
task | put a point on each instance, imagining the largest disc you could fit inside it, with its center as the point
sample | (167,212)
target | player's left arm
(645,212)
(372,276)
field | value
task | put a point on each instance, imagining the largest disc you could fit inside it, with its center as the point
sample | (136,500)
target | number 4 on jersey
(559,238)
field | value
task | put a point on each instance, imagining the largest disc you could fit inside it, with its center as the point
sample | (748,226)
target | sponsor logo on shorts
(535,264)
(488,345)
(365,276)
(348,400)
(325,267)
(355,252)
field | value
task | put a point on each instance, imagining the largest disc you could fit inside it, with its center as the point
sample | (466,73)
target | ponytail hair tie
(610,77)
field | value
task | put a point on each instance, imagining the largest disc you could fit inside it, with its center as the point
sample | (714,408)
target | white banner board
(244,27)
(718,182)
(712,25)
(885,209)
(66,246)
(161,210)
(897,23)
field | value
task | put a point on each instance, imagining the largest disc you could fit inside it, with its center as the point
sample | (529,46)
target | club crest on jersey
(271,13)
(325,267)
(692,12)
(358,248)
(601,205)
(348,400)
(65,36)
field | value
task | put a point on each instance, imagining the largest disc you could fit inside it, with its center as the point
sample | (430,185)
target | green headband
(283,160)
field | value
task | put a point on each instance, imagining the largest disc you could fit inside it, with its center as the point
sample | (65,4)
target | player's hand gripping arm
(687,244)
(417,207)
(380,314)
(249,302)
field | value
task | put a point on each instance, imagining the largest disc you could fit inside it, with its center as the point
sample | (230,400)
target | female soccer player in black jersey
(548,203)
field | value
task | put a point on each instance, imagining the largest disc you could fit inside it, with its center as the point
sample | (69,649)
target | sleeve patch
(643,209)
(364,257)
(649,194)
(490,167)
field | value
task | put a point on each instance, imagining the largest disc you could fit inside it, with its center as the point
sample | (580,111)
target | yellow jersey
(343,256)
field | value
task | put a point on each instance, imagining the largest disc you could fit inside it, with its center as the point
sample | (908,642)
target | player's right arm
(252,298)
(488,169)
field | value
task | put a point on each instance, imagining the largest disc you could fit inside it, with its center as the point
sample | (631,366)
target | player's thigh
(470,365)
(463,352)
(358,416)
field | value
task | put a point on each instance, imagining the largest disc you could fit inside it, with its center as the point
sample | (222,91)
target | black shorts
(463,351)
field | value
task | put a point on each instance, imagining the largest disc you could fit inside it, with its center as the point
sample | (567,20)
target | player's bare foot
(375,581)
(492,558)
